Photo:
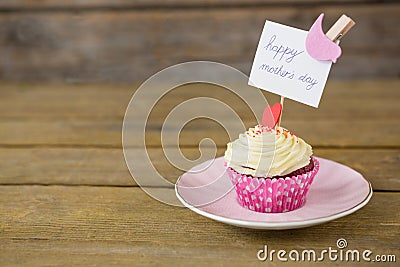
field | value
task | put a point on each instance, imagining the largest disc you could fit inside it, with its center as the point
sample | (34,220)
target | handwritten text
(283,52)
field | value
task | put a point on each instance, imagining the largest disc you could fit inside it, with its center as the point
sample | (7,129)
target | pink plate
(337,191)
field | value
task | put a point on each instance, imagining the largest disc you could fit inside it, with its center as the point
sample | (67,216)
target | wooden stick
(340,28)
(280,117)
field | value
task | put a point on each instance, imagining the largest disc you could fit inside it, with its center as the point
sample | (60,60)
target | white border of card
(283,66)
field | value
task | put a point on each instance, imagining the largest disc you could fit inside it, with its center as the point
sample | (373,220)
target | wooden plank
(106,167)
(69,166)
(21,100)
(110,46)
(16,5)
(107,133)
(358,99)
(58,225)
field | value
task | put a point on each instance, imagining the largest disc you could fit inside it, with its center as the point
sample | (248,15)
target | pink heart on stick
(271,115)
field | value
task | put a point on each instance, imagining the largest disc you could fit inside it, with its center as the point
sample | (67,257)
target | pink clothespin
(323,46)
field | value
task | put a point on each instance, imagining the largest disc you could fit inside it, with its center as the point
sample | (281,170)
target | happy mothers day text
(288,55)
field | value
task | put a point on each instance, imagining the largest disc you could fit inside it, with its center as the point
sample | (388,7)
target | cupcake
(271,169)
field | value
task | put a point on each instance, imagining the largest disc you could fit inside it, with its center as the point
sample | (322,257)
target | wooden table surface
(67,197)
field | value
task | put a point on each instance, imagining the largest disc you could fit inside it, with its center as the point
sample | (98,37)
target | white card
(283,66)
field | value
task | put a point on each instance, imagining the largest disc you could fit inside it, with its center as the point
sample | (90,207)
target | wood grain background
(128,41)
(67,198)
(66,195)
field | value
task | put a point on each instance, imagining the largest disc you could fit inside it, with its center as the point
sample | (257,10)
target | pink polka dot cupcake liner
(272,195)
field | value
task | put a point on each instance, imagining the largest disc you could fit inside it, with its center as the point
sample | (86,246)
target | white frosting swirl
(265,152)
